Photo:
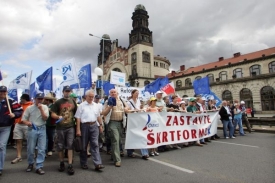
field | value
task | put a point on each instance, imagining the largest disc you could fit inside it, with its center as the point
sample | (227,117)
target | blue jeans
(4,137)
(144,152)
(36,138)
(238,121)
(227,123)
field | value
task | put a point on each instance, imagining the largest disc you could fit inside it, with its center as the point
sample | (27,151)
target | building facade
(137,61)
(249,77)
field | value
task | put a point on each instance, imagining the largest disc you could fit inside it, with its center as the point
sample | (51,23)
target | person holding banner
(35,117)
(153,108)
(135,105)
(9,110)
(115,107)
(192,108)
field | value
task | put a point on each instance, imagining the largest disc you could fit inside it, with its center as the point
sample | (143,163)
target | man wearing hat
(20,131)
(6,120)
(64,110)
(50,123)
(35,117)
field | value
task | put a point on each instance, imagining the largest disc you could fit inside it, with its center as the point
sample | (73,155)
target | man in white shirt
(87,115)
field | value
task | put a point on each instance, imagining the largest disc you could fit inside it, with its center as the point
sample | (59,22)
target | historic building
(249,77)
(138,60)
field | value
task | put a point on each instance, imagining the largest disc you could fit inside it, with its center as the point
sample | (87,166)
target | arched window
(271,67)
(117,70)
(198,77)
(227,95)
(246,96)
(146,82)
(188,82)
(223,76)
(237,73)
(268,98)
(178,84)
(255,70)
(211,78)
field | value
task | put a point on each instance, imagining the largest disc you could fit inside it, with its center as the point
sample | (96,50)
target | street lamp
(97,69)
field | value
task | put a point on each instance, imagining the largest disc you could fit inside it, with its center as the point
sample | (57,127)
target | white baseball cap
(203,98)
(159,92)
(242,102)
(182,102)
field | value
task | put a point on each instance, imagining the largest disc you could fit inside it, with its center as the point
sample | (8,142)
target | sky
(38,34)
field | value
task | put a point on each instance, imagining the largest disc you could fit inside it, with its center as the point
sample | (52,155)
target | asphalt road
(245,159)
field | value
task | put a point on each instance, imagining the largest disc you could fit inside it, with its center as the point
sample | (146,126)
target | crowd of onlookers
(49,124)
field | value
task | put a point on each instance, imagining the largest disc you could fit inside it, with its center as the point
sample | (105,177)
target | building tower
(107,49)
(141,53)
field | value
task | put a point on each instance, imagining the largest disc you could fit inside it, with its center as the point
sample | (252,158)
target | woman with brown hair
(135,105)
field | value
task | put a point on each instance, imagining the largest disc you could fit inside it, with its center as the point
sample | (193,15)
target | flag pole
(8,103)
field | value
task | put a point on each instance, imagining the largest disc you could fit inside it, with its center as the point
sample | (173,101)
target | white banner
(117,78)
(150,130)
(22,81)
(125,92)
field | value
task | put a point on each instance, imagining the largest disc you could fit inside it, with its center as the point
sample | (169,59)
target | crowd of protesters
(51,125)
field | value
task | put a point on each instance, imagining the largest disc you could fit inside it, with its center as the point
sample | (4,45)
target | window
(146,56)
(198,77)
(146,82)
(223,76)
(134,58)
(118,55)
(246,96)
(134,70)
(227,95)
(188,82)
(255,70)
(156,64)
(117,70)
(268,98)
(238,73)
(178,84)
(271,67)
(211,78)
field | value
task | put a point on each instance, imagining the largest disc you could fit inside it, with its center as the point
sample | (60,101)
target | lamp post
(102,71)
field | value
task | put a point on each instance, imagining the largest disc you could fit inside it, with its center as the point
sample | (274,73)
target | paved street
(246,159)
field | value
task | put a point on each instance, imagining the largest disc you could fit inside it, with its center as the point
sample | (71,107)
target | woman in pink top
(153,108)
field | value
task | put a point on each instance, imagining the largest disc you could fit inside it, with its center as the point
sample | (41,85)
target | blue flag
(33,90)
(45,80)
(107,87)
(201,86)
(156,85)
(1,78)
(84,76)
(212,96)
(12,93)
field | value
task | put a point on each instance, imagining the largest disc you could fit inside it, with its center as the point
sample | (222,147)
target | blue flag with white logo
(212,96)
(201,86)
(84,78)
(12,93)
(45,80)
(156,85)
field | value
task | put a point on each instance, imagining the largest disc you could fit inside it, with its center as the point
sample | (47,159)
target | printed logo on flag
(22,79)
(83,76)
(67,72)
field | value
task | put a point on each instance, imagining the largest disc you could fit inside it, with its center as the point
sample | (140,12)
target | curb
(256,130)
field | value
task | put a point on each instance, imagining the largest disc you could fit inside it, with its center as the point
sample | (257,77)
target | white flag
(22,81)
(69,74)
